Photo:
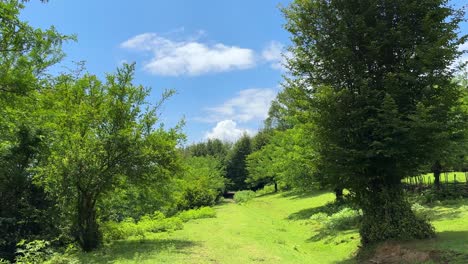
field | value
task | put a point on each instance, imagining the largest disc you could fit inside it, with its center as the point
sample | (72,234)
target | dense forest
(373,99)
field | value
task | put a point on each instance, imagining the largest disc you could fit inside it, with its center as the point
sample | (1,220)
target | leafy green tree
(376,74)
(104,136)
(25,55)
(202,182)
(287,159)
(212,147)
(236,170)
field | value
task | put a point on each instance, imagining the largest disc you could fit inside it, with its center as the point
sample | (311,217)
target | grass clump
(149,223)
(344,219)
(244,196)
(203,212)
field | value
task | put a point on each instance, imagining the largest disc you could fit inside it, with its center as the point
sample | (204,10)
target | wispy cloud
(276,55)
(247,105)
(227,130)
(464,57)
(189,57)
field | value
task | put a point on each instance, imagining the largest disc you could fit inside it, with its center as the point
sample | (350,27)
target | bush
(266,190)
(155,223)
(36,251)
(244,196)
(195,197)
(204,212)
(345,219)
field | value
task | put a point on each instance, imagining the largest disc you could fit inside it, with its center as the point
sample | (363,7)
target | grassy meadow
(276,228)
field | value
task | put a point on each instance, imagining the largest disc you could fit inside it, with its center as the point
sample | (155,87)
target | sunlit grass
(272,228)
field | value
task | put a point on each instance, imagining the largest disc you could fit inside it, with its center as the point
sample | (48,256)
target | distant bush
(196,196)
(244,196)
(344,219)
(204,212)
(266,190)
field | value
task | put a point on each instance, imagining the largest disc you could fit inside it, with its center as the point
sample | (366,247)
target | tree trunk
(339,194)
(88,235)
(388,216)
(437,170)
(276,187)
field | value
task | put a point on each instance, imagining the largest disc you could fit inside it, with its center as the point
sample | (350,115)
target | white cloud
(249,104)
(227,130)
(175,58)
(276,55)
(464,57)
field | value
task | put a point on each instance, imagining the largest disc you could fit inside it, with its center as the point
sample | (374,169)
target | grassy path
(269,229)
(260,231)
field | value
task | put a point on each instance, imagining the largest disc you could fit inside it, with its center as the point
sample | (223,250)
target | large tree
(378,77)
(104,137)
(25,55)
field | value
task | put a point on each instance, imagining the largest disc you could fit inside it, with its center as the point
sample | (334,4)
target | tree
(201,183)
(104,136)
(25,55)
(236,170)
(376,73)
(287,159)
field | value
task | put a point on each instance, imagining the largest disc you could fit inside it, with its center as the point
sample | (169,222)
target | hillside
(276,229)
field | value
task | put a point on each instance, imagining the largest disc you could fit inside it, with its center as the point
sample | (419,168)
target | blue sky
(222,57)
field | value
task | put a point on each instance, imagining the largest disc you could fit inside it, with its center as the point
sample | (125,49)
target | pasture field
(276,228)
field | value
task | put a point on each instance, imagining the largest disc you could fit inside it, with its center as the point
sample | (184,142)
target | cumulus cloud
(249,104)
(175,58)
(276,55)
(227,130)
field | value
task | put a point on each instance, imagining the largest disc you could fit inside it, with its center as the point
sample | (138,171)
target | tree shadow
(136,250)
(328,208)
(447,247)
(301,195)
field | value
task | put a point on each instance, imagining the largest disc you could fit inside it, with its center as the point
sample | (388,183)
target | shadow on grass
(302,195)
(447,247)
(328,208)
(136,250)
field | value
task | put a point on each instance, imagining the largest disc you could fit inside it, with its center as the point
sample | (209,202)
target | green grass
(451,177)
(272,229)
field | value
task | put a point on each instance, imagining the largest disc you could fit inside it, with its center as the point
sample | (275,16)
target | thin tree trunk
(339,194)
(276,187)
(87,227)
(437,170)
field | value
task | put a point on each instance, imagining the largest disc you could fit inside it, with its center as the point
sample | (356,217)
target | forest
(363,157)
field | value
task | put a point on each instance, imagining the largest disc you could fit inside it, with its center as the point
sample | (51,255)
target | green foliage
(241,197)
(155,223)
(267,189)
(202,182)
(236,170)
(147,224)
(203,212)
(105,137)
(375,81)
(36,251)
(286,159)
(26,54)
(344,219)
(392,219)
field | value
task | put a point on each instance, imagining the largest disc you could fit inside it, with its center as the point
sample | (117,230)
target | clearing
(276,229)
